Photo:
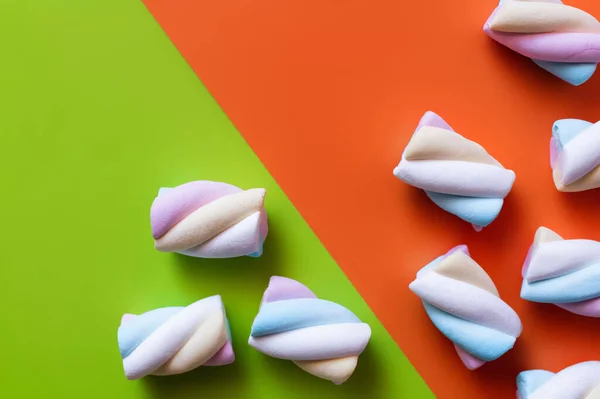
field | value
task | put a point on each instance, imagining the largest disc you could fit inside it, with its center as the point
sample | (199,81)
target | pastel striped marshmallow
(575,155)
(207,219)
(563,272)
(321,337)
(463,303)
(581,381)
(457,174)
(175,340)
(561,39)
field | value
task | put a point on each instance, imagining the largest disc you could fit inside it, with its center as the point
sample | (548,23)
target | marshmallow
(563,272)
(321,337)
(561,39)
(175,340)
(457,174)
(463,303)
(581,381)
(206,219)
(575,155)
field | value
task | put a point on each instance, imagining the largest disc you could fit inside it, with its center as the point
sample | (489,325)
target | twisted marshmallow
(463,303)
(457,174)
(581,381)
(563,272)
(561,39)
(209,220)
(175,340)
(321,337)
(575,155)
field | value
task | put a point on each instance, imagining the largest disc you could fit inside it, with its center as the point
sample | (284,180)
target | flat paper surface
(98,111)
(328,93)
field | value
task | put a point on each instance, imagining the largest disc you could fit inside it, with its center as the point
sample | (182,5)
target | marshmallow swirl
(581,381)
(321,337)
(175,340)
(561,39)
(563,272)
(457,174)
(206,219)
(575,155)
(463,303)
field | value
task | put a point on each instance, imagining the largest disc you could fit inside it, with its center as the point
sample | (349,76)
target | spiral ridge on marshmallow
(457,174)
(575,155)
(581,381)
(321,337)
(175,340)
(463,303)
(209,220)
(561,39)
(563,272)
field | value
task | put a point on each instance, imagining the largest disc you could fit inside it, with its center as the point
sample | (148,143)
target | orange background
(328,93)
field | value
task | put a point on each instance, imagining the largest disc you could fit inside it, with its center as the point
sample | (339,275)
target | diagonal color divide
(99,111)
(327,93)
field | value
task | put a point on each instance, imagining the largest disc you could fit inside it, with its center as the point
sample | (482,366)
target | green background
(98,111)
